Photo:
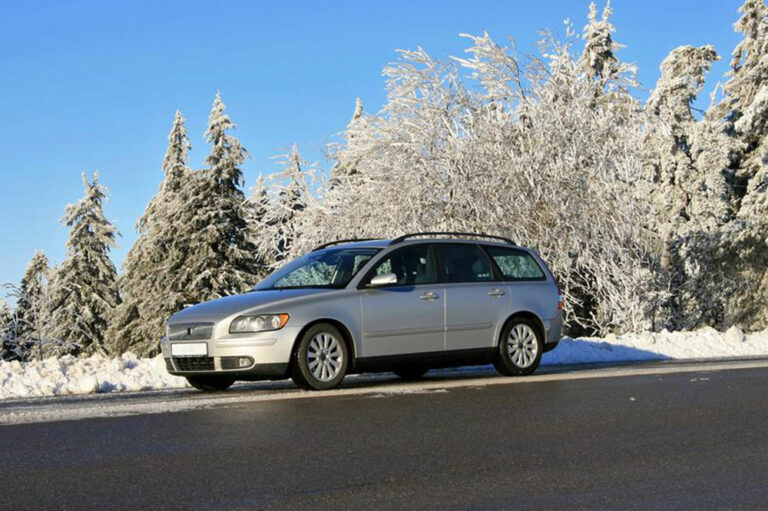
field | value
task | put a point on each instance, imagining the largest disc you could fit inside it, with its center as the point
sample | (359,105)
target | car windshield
(331,268)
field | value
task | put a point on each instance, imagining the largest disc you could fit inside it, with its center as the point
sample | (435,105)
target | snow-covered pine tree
(32,290)
(259,208)
(84,288)
(220,259)
(281,225)
(690,195)
(745,107)
(343,168)
(8,332)
(148,283)
(598,57)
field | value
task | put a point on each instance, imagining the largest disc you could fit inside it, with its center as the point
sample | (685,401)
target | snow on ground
(70,375)
(97,373)
(703,343)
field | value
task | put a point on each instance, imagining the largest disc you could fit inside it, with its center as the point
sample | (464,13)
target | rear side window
(463,263)
(412,265)
(516,264)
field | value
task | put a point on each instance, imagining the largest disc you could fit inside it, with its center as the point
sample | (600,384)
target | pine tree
(32,290)
(84,286)
(220,259)
(598,56)
(344,168)
(259,208)
(749,68)
(8,334)
(148,291)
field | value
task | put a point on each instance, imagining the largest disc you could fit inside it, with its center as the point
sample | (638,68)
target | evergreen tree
(8,334)
(84,287)
(32,290)
(344,168)
(148,291)
(598,56)
(749,68)
(220,259)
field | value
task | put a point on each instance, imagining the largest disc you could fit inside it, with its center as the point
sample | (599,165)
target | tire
(520,348)
(321,358)
(210,383)
(550,346)
(411,372)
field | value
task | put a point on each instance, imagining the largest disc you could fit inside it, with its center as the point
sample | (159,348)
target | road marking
(50,410)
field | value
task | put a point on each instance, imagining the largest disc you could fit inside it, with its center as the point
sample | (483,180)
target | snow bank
(703,343)
(70,375)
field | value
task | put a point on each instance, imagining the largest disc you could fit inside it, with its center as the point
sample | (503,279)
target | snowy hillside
(69,375)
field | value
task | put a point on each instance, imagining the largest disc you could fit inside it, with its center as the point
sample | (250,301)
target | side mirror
(385,279)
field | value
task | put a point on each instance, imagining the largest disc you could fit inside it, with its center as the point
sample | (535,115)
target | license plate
(189,349)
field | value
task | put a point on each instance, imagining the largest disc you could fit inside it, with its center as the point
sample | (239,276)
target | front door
(406,317)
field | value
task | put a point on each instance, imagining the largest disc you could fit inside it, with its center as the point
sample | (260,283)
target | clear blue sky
(93,85)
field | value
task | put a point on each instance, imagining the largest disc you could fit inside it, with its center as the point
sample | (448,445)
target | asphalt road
(693,440)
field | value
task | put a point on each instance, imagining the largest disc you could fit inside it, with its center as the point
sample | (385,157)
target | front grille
(193,363)
(190,331)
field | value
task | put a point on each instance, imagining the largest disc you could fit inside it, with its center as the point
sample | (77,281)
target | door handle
(429,295)
(496,293)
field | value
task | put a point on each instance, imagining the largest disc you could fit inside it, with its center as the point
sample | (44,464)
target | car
(407,305)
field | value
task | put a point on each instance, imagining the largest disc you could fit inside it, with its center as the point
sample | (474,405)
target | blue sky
(93,85)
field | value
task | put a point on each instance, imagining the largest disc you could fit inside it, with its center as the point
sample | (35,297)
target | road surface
(658,437)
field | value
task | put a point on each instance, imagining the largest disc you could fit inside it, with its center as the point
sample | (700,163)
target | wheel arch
(345,332)
(524,315)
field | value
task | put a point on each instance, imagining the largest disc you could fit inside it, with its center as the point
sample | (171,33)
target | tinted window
(516,264)
(463,263)
(412,265)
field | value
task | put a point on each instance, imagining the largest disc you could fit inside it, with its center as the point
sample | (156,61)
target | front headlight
(258,323)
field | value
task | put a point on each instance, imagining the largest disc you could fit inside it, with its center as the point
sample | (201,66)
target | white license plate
(189,349)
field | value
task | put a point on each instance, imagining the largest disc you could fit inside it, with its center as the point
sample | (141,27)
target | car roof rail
(402,238)
(337,242)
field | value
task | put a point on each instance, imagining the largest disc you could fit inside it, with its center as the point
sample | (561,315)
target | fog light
(244,362)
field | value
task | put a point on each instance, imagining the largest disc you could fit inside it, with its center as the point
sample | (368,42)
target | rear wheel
(321,358)
(411,372)
(520,348)
(210,383)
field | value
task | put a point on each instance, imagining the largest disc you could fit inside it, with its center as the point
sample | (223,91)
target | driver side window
(412,265)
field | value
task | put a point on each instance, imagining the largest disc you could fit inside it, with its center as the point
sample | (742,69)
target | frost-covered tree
(530,151)
(8,333)
(259,211)
(749,68)
(343,168)
(279,228)
(32,289)
(598,57)
(148,287)
(220,258)
(84,287)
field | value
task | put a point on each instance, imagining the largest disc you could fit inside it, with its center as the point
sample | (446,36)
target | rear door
(407,317)
(475,299)
(527,282)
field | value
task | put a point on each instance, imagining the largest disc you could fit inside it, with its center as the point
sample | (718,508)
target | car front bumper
(268,355)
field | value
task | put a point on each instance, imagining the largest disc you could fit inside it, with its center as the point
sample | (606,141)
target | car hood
(221,308)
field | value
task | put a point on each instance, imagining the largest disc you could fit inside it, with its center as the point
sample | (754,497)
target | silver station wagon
(406,305)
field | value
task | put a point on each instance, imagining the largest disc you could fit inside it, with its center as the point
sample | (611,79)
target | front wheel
(321,358)
(520,348)
(210,383)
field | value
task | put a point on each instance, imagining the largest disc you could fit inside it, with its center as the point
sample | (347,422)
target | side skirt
(430,360)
